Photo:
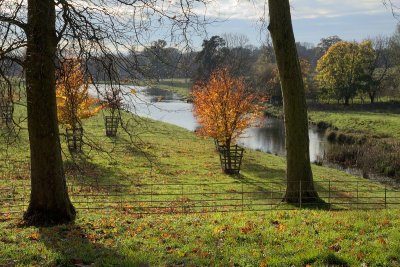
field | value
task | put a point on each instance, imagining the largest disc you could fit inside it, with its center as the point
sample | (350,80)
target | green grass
(181,87)
(380,123)
(159,153)
(373,123)
(277,238)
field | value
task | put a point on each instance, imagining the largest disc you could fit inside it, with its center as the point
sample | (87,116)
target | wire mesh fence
(208,197)
(165,198)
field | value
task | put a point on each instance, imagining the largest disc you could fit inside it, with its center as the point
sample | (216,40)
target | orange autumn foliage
(224,108)
(73,100)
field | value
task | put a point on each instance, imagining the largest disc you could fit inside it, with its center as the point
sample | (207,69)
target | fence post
(242,198)
(271,201)
(358,207)
(120,198)
(385,197)
(329,193)
(151,197)
(300,194)
(182,200)
(87,200)
(23,195)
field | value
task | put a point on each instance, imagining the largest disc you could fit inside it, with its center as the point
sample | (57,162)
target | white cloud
(301,9)
(334,8)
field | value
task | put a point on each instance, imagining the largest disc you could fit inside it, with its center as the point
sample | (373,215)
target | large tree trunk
(372,97)
(49,201)
(346,101)
(300,186)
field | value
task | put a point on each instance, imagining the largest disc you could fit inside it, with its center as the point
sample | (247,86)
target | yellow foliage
(274,84)
(223,107)
(73,100)
(344,67)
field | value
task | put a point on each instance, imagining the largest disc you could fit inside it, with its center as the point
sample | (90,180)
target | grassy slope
(275,238)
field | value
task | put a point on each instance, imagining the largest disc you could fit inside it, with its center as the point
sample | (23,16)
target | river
(168,107)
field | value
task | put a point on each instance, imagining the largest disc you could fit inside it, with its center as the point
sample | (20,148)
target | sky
(312,19)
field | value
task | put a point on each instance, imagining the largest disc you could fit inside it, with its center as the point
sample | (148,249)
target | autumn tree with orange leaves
(73,100)
(224,108)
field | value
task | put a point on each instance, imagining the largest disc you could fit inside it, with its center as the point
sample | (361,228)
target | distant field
(381,121)
(386,124)
(181,87)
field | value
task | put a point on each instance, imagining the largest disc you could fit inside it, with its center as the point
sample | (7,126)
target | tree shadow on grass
(327,259)
(82,245)
(264,173)
(99,177)
(268,186)
(134,147)
(344,197)
(273,186)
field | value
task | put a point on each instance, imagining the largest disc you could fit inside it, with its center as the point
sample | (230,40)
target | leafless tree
(37,34)
(377,69)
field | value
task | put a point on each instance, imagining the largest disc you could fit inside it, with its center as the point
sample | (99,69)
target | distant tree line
(333,71)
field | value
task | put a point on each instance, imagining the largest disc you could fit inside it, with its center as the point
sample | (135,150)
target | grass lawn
(373,123)
(276,238)
(162,155)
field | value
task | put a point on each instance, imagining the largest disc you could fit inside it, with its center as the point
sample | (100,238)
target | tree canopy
(73,100)
(223,106)
(343,68)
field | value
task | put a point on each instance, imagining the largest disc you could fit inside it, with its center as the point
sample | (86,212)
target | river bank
(361,136)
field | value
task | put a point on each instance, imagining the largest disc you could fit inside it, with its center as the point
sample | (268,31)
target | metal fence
(208,197)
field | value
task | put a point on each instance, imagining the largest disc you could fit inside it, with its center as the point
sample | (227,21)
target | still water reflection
(168,107)
(270,138)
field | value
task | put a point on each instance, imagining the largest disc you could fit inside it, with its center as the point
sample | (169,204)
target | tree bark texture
(49,200)
(300,186)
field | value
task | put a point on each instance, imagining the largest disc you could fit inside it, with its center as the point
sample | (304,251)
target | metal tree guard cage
(231,158)
(111,123)
(7,111)
(74,139)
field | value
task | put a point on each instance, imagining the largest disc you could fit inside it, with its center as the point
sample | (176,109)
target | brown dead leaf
(385,222)
(381,240)
(34,236)
(77,261)
(335,247)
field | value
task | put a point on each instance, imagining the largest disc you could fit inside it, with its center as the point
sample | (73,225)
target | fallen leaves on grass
(248,228)
(278,226)
(34,236)
(335,247)
(385,222)
(220,229)
(4,217)
(381,240)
